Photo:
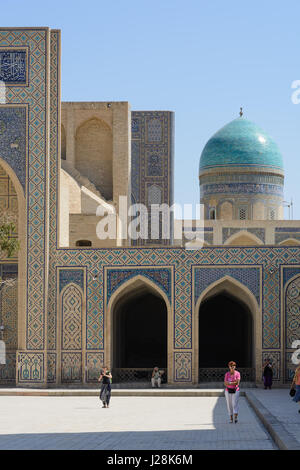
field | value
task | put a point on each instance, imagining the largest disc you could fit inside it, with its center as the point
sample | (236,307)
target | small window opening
(83,243)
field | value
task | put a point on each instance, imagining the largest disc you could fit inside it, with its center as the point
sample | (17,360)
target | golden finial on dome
(241,112)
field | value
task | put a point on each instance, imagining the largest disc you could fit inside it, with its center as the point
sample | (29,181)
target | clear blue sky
(200,59)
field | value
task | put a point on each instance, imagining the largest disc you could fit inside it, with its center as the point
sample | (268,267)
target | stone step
(157,392)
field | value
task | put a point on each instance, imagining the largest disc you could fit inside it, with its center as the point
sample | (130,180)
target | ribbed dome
(240,143)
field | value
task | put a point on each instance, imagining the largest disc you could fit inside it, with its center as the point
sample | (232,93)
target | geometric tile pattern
(288,273)
(68,276)
(292,312)
(274,357)
(152,153)
(182,260)
(248,276)
(116,277)
(30,367)
(242,188)
(35,96)
(94,363)
(51,367)
(71,300)
(289,367)
(13,127)
(183,366)
(8,371)
(71,367)
(271,310)
(53,176)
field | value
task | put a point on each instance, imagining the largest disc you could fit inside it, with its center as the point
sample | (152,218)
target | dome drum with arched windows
(241,174)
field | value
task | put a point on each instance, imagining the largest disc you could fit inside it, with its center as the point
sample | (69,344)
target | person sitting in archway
(156,377)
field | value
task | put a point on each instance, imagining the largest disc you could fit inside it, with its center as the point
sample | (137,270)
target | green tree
(8,244)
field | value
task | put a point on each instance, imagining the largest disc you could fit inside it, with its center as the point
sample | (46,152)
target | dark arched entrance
(225,332)
(140,332)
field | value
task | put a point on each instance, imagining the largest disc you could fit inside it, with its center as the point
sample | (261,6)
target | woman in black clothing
(268,374)
(105,388)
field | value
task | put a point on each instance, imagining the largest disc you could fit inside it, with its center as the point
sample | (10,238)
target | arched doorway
(140,331)
(12,273)
(226,331)
(137,321)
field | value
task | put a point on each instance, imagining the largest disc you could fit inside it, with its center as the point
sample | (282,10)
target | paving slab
(279,414)
(131,423)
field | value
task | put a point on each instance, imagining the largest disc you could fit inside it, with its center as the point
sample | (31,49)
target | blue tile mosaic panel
(152,160)
(250,277)
(117,277)
(13,66)
(74,276)
(13,129)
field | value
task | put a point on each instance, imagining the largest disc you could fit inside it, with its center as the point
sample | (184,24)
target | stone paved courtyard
(155,423)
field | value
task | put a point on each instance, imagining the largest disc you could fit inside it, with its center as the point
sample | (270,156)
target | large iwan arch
(139,300)
(13,298)
(226,326)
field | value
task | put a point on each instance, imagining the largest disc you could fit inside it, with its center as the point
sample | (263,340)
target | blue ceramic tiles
(241,143)
(13,66)
(13,139)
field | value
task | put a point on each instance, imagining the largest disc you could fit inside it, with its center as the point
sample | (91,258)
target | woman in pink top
(232,391)
(296,381)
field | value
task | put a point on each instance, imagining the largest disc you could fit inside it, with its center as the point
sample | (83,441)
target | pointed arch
(196,244)
(289,242)
(243,238)
(291,319)
(242,294)
(92,119)
(129,289)
(233,287)
(22,273)
(94,154)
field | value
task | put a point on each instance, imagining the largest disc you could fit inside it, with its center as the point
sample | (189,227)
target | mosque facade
(189,300)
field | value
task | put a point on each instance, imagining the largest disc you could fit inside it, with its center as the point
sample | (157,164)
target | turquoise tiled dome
(241,143)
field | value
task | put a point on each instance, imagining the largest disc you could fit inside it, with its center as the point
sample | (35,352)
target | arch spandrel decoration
(243,238)
(250,277)
(160,276)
